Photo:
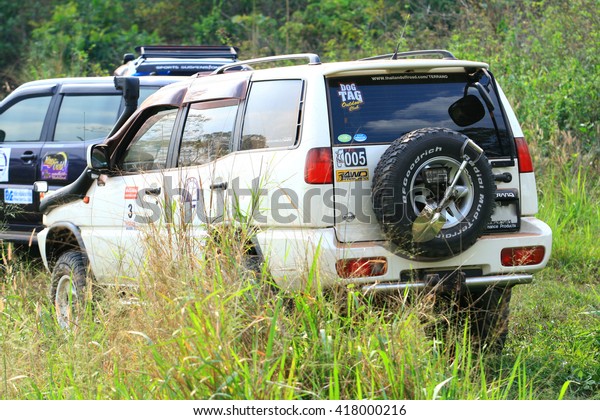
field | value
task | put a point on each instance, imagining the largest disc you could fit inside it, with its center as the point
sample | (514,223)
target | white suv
(389,173)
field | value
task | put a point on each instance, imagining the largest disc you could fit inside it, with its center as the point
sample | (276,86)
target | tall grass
(569,189)
(215,331)
(209,329)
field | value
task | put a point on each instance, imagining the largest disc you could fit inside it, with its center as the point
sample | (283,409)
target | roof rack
(313,59)
(446,55)
(187,51)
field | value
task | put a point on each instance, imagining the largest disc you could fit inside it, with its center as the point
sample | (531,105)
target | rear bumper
(470,282)
(296,257)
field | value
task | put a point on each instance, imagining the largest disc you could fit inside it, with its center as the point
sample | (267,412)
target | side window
(208,132)
(24,120)
(272,116)
(148,149)
(86,117)
(146,91)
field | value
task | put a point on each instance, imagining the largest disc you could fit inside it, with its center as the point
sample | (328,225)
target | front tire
(67,293)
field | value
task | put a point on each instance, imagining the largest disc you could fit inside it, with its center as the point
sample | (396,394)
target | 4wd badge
(352,175)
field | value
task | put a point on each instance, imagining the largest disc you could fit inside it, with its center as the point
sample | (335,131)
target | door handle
(219,186)
(28,156)
(153,191)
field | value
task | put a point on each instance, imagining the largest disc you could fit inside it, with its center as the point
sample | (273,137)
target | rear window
(380,109)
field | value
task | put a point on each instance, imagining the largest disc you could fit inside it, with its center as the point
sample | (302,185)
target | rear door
(370,112)
(22,129)
(85,114)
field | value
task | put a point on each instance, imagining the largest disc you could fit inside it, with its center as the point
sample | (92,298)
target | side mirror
(98,158)
(40,186)
(2,136)
(466,111)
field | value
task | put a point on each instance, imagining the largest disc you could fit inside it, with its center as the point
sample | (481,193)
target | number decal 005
(351,158)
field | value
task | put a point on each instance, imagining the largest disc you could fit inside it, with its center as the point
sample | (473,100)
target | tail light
(361,267)
(525,163)
(319,166)
(525,255)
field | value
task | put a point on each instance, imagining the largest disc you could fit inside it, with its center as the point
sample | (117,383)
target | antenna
(395,55)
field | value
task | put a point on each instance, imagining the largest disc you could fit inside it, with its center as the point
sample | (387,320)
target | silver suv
(392,173)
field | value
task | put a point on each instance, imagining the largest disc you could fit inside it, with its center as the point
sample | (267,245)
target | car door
(128,205)
(199,187)
(85,115)
(22,130)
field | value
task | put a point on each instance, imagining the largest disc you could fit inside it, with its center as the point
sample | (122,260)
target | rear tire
(488,312)
(68,289)
(485,312)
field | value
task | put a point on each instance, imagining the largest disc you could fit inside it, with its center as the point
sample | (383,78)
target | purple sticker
(55,166)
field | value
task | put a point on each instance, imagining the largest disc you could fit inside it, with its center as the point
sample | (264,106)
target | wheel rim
(65,302)
(429,184)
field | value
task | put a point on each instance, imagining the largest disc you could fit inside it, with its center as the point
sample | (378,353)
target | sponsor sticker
(131,193)
(4,163)
(55,166)
(349,175)
(18,196)
(360,137)
(350,96)
(344,138)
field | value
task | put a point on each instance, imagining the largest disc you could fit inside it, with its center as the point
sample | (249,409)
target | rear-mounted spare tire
(414,173)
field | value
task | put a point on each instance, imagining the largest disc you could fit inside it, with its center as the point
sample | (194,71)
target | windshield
(380,109)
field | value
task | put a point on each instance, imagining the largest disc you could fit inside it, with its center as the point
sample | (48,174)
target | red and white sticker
(131,193)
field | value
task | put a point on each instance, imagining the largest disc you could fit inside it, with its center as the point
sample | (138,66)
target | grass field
(213,332)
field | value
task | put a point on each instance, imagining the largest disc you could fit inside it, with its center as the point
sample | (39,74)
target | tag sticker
(55,166)
(131,193)
(351,96)
(352,175)
(18,196)
(4,163)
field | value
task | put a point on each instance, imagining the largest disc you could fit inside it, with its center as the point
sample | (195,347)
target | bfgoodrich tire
(67,293)
(414,172)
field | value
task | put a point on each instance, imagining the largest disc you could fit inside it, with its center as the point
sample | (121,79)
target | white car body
(307,227)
